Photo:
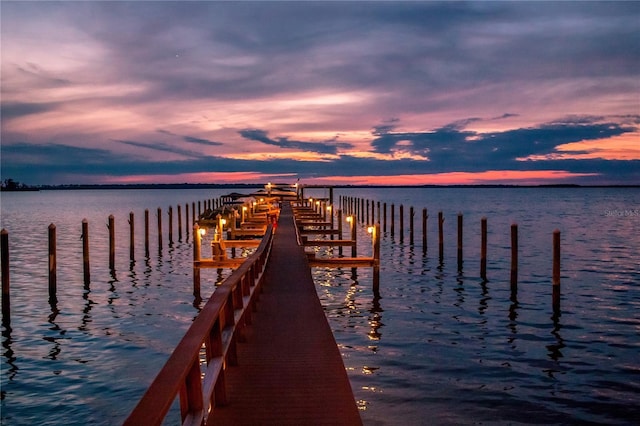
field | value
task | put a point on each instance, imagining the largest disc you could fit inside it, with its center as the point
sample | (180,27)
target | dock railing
(215,331)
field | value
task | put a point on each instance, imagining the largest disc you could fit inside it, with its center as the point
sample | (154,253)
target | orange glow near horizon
(510,177)
(623,147)
(497,177)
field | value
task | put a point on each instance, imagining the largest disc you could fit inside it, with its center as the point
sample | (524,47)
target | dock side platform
(290,370)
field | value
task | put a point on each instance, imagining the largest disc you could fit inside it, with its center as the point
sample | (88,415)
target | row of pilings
(191,212)
(368,212)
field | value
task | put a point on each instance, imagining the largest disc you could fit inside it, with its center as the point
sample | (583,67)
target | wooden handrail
(216,327)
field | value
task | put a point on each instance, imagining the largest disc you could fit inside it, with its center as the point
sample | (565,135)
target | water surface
(441,346)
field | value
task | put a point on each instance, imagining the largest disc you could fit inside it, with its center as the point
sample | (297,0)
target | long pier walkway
(290,371)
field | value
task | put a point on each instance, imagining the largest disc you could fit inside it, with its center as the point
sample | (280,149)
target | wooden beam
(342,262)
(327,243)
(318,231)
(226,263)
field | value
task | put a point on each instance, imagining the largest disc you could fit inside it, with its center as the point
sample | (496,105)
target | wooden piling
(339,219)
(6,301)
(376,259)
(393,221)
(85,252)
(354,238)
(170,225)
(460,241)
(556,270)
(186,219)
(384,218)
(112,242)
(53,284)
(367,213)
(132,256)
(401,223)
(411,214)
(159,229)
(424,231)
(514,258)
(146,233)
(179,223)
(440,236)
(196,258)
(193,212)
(483,248)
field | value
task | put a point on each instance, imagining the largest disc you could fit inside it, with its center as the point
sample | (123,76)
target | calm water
(439,347)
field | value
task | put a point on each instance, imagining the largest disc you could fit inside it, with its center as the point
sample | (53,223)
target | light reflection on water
(88,358)
(440,346)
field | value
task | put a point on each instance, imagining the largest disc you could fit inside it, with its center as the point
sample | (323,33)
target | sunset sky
(324,92)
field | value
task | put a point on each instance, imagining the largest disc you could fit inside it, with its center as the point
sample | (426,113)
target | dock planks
(290,370)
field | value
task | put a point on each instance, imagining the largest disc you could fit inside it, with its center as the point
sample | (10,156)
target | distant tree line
(14,185)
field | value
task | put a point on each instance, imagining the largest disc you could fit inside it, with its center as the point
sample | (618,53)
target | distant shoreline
(251,186)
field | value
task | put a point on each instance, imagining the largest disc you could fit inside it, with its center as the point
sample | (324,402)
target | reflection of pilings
(555,350)
(6,303)
(375,321)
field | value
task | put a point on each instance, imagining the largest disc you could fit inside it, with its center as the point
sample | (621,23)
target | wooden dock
(290,370)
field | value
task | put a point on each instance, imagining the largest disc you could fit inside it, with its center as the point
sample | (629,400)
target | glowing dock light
(202,232)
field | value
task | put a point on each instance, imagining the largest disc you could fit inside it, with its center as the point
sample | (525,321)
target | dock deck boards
(290,371)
